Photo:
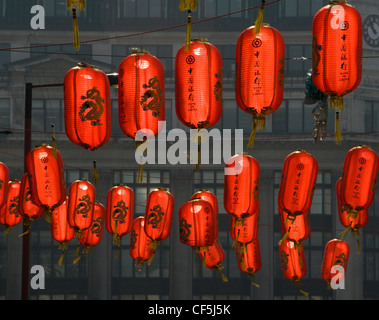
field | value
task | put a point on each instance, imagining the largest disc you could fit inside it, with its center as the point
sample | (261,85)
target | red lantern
(244,231)
(141,94)
(119,212)
(198,84)
(27,209)
(9,214)
(212,199)
(196,224)
(292,259)
(87,106)
(158,215)
(336,253)
(213,258)
(351,221)
(296,190)
(140,249)
(357,188)
(46,178)
(92,236)
(81,203)
(337,50)
(241,186)
(61,230)
(259,74)
(249,258)
(4,178)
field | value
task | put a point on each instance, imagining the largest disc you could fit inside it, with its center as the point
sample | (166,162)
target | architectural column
(180,254)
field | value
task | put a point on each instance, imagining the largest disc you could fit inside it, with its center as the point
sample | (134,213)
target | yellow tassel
(188,5)
(47,215)
(95,173)
(259,21)
(140,174)
(62,247)
(75,30)
(76,4)
(345,232)
(285,236)
(336,103)
(337,130)
(236,239)
(219,268)
(149,262)
(8,229)
(259,123)
(154,245)
(54,142)
(188,34)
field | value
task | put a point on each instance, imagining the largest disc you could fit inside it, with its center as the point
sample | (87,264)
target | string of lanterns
(199,86)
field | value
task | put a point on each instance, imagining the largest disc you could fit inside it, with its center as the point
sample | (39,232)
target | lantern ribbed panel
(119,211)
(4,178)
(360,171)
(336,253)
(260,70)
(198,85)
(139,242)
(214,256)
(9,214)
(298,181)
(92,236)
(141,97)
(292,259)
(81,203)
(158,214)
(87,107)
(196,223)
(61,230)
(244,231)
(46,177)
(241,186)
(298,229)
(25,205)
(249,257)
(337,49)
(212,199)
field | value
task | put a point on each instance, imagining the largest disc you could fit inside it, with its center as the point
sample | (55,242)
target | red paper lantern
(360,171)
(292,259)
(61,230)
(46,178)
(196,224)
(92,236)
(213,258)
(140,249)
(337,51)
(351,221)
(9,214)
(336,253)
(297,185)
(158,215)
(212,199)
(259,74)
(81,204)
(244,231)
(141,94)
(249,258)
(4,178)
(87,106)
(27,209)
(198,84)
(241,186)
(119,212)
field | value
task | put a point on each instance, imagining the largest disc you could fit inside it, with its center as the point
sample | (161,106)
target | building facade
(108,31)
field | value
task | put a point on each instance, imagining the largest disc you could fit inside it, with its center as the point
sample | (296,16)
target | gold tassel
(337,130)
(219,268)
(62,247)
(188,33)
(54,142)
(47,215)
(198,154)
(75,30)
(95,173)
(188,5)
(336,103)
(140,174)
(285,236)
(259,123)
(259,21)
(8,229)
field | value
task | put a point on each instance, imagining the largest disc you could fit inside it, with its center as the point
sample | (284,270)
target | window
(47,112)
(214,8)
(298,60)
(144,8)
(4,113)
(85,50)
(371,116)
(5,55)
(302,8)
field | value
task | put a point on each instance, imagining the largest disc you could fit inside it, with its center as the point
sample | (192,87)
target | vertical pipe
(27,148)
